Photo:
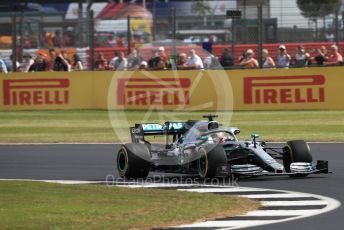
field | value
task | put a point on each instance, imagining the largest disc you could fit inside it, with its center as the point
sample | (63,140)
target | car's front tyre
(296,151)
(211,159)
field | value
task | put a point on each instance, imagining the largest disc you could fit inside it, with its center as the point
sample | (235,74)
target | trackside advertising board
(270,89)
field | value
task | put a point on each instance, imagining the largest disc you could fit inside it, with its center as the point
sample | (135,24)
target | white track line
(283,195)
(56,181)
(222,190)
(226,224)
(294,203)
(282,212)
(161,185)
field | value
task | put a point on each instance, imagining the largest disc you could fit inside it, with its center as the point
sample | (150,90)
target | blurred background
(91,26)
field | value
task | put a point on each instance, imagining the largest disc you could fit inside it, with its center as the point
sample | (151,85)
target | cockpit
(209,132)
(220,137)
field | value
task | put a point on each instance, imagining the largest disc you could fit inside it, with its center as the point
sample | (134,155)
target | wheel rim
(122,161)
(202,164)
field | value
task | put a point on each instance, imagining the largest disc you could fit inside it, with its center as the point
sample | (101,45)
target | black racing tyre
(133,161)
(210,158)
(296,151)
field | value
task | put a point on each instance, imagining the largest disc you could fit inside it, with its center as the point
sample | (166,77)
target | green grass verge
(95,126)
(37,205)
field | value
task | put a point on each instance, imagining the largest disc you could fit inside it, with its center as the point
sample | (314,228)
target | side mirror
(254,135)
(203,138)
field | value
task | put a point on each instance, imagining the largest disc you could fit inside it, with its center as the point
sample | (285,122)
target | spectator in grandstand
(335,58)
(120,41)
(121,62)
(9,64)
(211,38)
(182,61)
(3,68)
(40,64)
(27,41)
(268,62)
(61,63)
(282,58)
(301,57)
(101,63)
(26,63)
(68,38)
(211,62)
(57,39)
(48,39)
(77,63)
(242,57)
(158,61)
(249,61)
(113,61)
(161,65)
(134,60)
(154,60)
(132,43)
(194,61)
(65,60)
(111,41)
(226,60)
(52,54)
(143,65)
(163,56)
(65,56)
(321,56)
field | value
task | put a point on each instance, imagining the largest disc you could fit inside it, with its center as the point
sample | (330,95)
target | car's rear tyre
(211,157)
(296,151)
(133,161)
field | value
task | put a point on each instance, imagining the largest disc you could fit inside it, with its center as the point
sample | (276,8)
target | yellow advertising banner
(48,90)
(171,90)
(211,90)
(288,89)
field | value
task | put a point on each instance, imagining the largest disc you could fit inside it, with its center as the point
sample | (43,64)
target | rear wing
(153,129)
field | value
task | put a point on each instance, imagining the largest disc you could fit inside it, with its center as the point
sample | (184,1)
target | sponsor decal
(36,92)
(136,134)
(166,91)
(284,89)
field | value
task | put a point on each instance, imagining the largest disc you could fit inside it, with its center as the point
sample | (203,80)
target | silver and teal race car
(205,149)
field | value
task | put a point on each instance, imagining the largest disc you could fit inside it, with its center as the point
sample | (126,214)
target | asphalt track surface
(95,162)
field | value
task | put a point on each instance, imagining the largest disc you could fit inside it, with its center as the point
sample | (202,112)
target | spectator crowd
(159,60)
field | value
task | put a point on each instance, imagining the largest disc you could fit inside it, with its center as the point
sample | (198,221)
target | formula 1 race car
(206,149)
